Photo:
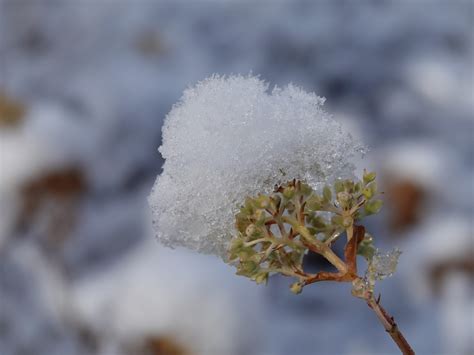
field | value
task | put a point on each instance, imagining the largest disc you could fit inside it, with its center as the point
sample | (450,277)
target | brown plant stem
(356,234)
(390,326)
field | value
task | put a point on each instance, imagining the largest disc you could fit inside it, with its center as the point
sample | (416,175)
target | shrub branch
(275,232)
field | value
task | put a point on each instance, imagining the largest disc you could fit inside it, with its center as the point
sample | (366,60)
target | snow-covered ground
(80,272)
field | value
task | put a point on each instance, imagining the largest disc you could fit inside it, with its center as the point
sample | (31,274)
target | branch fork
(275,231)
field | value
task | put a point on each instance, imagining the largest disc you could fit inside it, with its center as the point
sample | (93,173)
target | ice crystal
(384,264)
(232,137)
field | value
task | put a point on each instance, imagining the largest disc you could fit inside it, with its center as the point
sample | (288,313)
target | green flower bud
(263,201)
(327,194)
(250,230)
(339,186)
(366,247)
(241,222)
(344,199)
(368,177)
(249,267)
(289,192)
(348,185)
(261,277)
(358,187)
(359,288)
(373,207)
(343,196)
(305,189)
(370,190)
(235,248)
(314,203)
(296,288)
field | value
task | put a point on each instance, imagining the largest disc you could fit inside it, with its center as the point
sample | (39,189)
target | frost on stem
(381,266)
(385,264)
(232,137)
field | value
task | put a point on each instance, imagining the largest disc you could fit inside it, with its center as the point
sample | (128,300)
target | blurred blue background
(84,88)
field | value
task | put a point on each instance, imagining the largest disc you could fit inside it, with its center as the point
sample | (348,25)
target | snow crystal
(385,264)
(230,137)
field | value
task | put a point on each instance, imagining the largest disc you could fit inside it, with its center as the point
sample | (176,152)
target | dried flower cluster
(276,230)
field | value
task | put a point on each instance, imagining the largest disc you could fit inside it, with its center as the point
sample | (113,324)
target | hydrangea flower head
(232,137)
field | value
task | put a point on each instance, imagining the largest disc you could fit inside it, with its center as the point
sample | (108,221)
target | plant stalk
(390,326)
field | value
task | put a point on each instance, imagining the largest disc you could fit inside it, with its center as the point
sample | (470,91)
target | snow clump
(232,137)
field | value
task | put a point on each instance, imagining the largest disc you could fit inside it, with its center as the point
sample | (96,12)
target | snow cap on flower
(229,138)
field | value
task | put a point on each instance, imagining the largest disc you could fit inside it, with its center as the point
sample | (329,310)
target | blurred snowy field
(84,88)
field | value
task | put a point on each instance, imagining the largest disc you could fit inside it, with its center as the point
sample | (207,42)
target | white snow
(442,237)
(195,300)
(46,140)
(229,138)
